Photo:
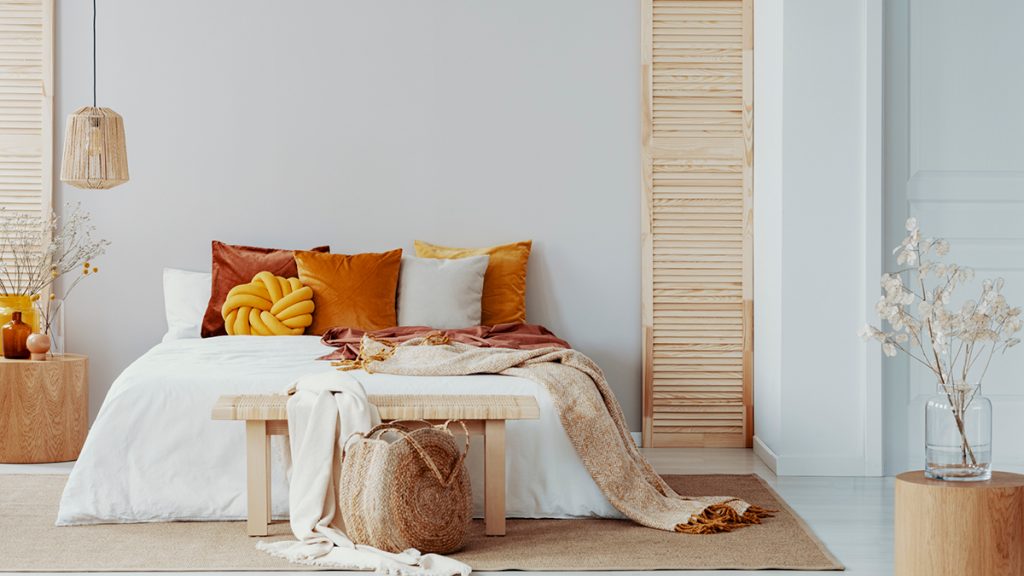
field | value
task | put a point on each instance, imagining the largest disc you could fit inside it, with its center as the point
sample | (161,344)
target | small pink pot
(38,345)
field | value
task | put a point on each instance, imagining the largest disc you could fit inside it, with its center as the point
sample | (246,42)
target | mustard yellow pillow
(268,306)
(354,291)
(504,298)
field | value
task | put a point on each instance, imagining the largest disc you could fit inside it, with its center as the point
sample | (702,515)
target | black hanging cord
(93,53)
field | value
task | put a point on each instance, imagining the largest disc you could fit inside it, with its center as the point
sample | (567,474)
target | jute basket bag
(412,492)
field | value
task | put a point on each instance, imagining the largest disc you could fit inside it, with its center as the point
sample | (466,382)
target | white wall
(818,221)
(368,124)
(768,132)
(365,124)
(956,161)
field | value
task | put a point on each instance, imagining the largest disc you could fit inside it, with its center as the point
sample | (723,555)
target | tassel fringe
(387,350)
(722,518)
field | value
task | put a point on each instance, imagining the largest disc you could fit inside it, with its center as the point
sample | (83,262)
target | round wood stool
(959,528)
(44,409)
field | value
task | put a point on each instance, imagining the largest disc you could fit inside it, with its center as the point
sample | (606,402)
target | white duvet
(154,454)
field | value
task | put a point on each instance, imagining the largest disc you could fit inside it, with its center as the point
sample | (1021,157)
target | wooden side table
(44,409)
(959,528)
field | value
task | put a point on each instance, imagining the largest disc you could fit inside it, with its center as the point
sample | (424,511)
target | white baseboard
(762,451)
(809,464)
(821,465)
(637,438)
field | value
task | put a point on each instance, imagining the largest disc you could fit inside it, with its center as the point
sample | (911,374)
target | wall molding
(966,186)
(913,117)
(873,227)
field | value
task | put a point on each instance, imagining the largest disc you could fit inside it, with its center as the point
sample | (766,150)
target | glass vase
(11,304)
(56,327)
(958,434)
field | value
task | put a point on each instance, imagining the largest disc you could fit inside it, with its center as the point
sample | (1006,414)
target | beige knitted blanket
(590,415)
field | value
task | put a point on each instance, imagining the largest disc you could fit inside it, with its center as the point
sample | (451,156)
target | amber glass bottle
(16,335)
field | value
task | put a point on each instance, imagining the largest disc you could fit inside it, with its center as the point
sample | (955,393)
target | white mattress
(154,454)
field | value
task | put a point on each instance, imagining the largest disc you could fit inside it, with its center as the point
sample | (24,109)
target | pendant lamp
(94,149)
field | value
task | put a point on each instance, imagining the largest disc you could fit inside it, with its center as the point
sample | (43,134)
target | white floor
(853,516)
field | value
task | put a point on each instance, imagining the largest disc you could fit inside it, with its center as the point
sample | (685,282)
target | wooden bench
(267,415)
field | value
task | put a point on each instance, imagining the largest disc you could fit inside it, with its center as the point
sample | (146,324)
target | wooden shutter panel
(697,158)
(26,106)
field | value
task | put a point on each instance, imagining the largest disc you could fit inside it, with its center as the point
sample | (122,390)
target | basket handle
(404,432)
(465,432)
(444,480)
(378,429)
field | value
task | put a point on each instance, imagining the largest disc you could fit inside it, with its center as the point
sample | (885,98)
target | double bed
(154,455)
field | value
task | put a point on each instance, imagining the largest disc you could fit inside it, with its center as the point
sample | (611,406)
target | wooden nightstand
(44,409)
(946,528)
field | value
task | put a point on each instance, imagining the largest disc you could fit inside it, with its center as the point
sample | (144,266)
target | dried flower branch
(36,251)
(956,345)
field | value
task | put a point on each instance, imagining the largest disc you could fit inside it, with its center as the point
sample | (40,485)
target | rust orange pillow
(234,265)
(354,291)
(504,298)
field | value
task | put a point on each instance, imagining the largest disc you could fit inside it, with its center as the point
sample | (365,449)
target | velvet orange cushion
(234,265)
(504,298)
(355,291)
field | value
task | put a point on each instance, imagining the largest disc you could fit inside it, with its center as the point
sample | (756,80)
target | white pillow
(441,293)
(186,295)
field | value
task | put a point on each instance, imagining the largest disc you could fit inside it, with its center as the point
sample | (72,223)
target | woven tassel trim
(722,518)
(363,360)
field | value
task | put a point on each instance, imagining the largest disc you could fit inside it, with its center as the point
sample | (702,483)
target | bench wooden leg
(494,477)
(257,476)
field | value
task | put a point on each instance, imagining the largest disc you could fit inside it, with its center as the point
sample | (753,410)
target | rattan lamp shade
(94,149)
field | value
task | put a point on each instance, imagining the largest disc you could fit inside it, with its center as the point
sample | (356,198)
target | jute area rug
(30,542)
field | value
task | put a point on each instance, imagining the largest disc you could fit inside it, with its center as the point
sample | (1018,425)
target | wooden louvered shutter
(26,106)
(697,200)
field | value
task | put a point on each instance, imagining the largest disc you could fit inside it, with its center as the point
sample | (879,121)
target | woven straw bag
(412,492)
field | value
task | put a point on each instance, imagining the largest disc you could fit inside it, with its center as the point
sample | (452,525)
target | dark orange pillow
(504,298)
(234,265)
(353,291)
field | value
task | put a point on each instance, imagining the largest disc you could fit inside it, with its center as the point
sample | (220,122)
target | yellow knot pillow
(268,306)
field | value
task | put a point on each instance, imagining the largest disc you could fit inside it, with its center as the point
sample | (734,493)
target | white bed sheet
(154,454)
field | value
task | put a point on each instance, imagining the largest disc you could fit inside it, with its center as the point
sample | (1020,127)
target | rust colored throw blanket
(589,413)
(515,336)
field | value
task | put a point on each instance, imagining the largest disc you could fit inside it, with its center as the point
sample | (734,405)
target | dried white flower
(36,251)
(955,345)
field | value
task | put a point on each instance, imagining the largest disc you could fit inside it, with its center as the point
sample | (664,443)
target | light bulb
(95,137)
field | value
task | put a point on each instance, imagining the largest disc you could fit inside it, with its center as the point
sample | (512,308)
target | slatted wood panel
(26,105)
(697,198)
